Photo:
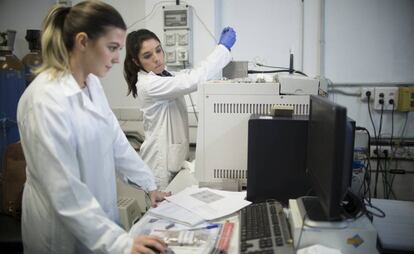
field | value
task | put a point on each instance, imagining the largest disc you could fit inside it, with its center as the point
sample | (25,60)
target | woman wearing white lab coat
(73,143)
(161,98)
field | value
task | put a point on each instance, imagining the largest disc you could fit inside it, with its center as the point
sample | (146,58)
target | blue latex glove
(228,37)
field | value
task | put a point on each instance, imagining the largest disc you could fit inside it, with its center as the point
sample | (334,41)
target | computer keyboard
(264,229)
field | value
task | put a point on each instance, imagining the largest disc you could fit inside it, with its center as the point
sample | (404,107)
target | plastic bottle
(34,58)
(12,86)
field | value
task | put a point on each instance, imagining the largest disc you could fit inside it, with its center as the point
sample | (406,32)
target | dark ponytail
(132,65)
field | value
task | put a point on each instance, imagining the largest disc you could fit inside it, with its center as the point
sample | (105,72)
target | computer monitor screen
(330,154)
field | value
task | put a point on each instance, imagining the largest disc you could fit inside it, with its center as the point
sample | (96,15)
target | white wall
(370,41)
(266,30)
(311,37)
(21,15)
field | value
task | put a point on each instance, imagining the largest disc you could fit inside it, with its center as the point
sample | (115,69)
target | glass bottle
(34,58)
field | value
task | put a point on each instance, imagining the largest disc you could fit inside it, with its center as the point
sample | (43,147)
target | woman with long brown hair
(161,97)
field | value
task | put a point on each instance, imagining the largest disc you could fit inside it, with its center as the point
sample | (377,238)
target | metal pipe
(302,34)
(371,84)
(322,41)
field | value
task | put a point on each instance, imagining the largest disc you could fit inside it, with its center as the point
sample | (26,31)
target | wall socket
(398,152)
(384,151)
(364,91)
(386,94)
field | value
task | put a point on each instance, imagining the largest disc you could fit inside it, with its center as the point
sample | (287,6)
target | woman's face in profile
(151,56)
(103,53)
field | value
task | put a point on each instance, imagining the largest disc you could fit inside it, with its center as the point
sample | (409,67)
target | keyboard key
(264,229)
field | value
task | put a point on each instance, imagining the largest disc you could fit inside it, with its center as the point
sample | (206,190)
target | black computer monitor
(329,156)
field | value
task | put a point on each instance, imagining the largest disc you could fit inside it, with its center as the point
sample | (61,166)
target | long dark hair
(132,65)
(61,25)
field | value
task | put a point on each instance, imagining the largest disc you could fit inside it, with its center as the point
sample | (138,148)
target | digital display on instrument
(175,18)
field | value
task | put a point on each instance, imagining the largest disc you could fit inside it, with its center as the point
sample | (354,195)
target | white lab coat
(161,99)
(72,146)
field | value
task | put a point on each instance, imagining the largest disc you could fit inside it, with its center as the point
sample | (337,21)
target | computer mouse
(167,251)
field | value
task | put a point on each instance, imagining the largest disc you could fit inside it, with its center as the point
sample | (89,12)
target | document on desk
(173,212)
(208,203)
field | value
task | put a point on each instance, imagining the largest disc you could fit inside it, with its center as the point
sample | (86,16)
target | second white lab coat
(72,147)
(161,99)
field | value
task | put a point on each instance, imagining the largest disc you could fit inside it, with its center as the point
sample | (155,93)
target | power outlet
(398,152)
(388,96)
(365,91)
(384,151)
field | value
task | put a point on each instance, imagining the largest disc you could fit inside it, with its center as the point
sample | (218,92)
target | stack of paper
(194,205)
(173,212)
(209,204)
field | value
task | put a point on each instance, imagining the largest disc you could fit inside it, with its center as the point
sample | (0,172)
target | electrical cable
(392,129)
(382,166)
(367,168)
(283,69)
(364,203)
(387,185)
(402,133)
(370,116)
(378,165)
(150,14)
(275,71)
(387,175)
(378,147)
(368,176)
(381,213)
(204,25)
(380,122)
(366,179)
(269,66)
(368,94)
(334,90)
(392,182)
(192,104)
(400,171)
(393,150)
